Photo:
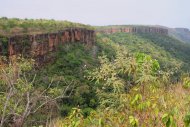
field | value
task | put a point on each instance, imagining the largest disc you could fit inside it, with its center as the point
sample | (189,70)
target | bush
(87,111)
(65,110)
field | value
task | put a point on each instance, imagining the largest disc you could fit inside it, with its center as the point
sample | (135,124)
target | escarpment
(134,29)
(39,45)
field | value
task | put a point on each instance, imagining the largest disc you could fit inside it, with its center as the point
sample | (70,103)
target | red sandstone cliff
(41,44)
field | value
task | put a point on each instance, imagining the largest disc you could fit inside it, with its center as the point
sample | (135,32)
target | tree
(19,96)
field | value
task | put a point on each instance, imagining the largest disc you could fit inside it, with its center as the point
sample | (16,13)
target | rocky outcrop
(133,29)
(41,44)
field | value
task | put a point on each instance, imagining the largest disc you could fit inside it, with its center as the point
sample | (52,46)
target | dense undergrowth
(132,90)
(124,80)
(169,51)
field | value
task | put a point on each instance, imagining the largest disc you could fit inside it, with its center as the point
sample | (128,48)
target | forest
(123,80)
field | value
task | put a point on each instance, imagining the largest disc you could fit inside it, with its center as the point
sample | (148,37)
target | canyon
(38,45)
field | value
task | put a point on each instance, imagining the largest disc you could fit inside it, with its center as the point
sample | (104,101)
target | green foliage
(171,53)
(147,68)
(187,120)
(124,86)
(4,44)
(11,26)
(169,118)
(74,118)
(131,90)
(20,96)
(186,82)
(70,64)
(14,87)
(86,111)
(112,76)
(136,99)
(133,121)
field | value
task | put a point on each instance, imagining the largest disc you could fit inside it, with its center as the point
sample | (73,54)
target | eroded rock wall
(41,44)
(143,29)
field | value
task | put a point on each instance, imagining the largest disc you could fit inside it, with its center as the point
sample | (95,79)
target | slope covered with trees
(182,34)
(163,48)
(132,88)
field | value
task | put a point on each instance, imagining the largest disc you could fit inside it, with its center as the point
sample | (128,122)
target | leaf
(165,118)
(100,122)
(77,123)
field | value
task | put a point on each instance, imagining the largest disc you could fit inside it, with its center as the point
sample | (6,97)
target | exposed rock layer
(41,44)
(133,29)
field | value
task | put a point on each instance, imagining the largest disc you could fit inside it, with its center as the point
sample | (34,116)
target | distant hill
(132,29)
(182,34)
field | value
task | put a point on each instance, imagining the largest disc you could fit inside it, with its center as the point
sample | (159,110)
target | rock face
(41,44)
(133,29)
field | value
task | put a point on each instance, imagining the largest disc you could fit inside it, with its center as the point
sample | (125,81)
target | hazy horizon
(170,13)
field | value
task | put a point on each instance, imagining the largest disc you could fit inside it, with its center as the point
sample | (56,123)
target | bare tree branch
(5,107)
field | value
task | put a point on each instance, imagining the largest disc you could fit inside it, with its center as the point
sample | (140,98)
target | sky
(171,13)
